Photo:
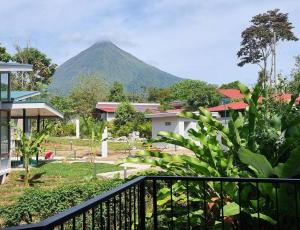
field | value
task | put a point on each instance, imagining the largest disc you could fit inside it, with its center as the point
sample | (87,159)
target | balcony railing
(171,202)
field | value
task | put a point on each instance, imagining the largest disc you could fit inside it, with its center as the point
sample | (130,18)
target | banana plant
(29,145)
(230,157)
(209,159)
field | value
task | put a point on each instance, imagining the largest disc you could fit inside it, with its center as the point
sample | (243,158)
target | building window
(5,87)
(167,123)
(4,139)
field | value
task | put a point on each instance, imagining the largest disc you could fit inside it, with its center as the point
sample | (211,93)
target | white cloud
(189,38)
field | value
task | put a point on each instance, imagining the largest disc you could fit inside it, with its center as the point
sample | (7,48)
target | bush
(37,204)
(129,120)
(62,128)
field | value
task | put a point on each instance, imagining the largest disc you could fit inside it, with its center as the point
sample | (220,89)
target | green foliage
(233,151)
(258,39)
(95,129)
(62,129)
(116,93)
(295,82)
(43,69)
(38,204)
(160,95)
(28,146)
(231,85)
(64,104)
(195,93)
(88,90)
(4,56)
(124,113)
(127,120)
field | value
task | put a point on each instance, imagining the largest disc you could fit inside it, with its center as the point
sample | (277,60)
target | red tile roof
(231,93)
(108,110)
(233,105)
(286,97)
(111,107)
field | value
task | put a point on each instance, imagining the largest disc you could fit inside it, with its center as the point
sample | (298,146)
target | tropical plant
(95,129)
(29,145)
(232,151)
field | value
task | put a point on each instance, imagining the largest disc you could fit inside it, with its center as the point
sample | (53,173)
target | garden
(57,185)
(262,142)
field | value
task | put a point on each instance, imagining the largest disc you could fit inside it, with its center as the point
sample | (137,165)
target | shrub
(38,204)
(62,128)
(129,120)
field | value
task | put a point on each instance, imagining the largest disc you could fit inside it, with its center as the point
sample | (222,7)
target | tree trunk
(265,77)
(26,161)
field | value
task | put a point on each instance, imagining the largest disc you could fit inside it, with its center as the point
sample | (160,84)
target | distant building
(169,121)
(232,99)
(107,110)
(230,95)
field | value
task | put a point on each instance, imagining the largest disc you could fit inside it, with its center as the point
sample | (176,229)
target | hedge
(38,204)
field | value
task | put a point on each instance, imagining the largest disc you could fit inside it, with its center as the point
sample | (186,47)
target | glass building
(5,100)
(5,112)
(18,107)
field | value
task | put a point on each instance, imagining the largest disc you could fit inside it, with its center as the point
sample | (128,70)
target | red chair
(48,155)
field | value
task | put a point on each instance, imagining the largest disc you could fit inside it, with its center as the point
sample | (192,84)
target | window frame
(8,96)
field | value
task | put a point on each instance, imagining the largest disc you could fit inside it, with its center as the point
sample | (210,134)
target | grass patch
(112,146)
(55,175)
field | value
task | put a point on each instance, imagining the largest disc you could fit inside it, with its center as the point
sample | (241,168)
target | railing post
(142,206)
(154,199)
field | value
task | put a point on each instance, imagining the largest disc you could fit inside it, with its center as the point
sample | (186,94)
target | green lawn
(113,146)
(54,174)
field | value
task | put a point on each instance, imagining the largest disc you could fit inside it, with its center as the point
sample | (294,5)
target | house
(20,108)
(232,99)
(107,110)
(169,121)
(230,95)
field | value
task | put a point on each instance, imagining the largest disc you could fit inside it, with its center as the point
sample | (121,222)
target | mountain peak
(106,59)
(103,43)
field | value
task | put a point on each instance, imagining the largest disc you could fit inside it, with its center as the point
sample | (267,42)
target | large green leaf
(257,161)
(231,209)
(291,167)
(264,217)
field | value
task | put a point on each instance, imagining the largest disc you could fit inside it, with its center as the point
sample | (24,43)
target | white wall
(159,124)
(178,125)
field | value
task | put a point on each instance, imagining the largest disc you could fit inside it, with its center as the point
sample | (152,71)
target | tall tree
(43,69)
(4,56)
(116,93)
(88,90)
(195,93)
(260,38)
(231,85)
(159,94)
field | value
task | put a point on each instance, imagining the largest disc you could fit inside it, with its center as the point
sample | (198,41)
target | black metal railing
(171,202)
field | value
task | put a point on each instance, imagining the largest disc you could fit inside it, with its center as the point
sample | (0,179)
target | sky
(194,39)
